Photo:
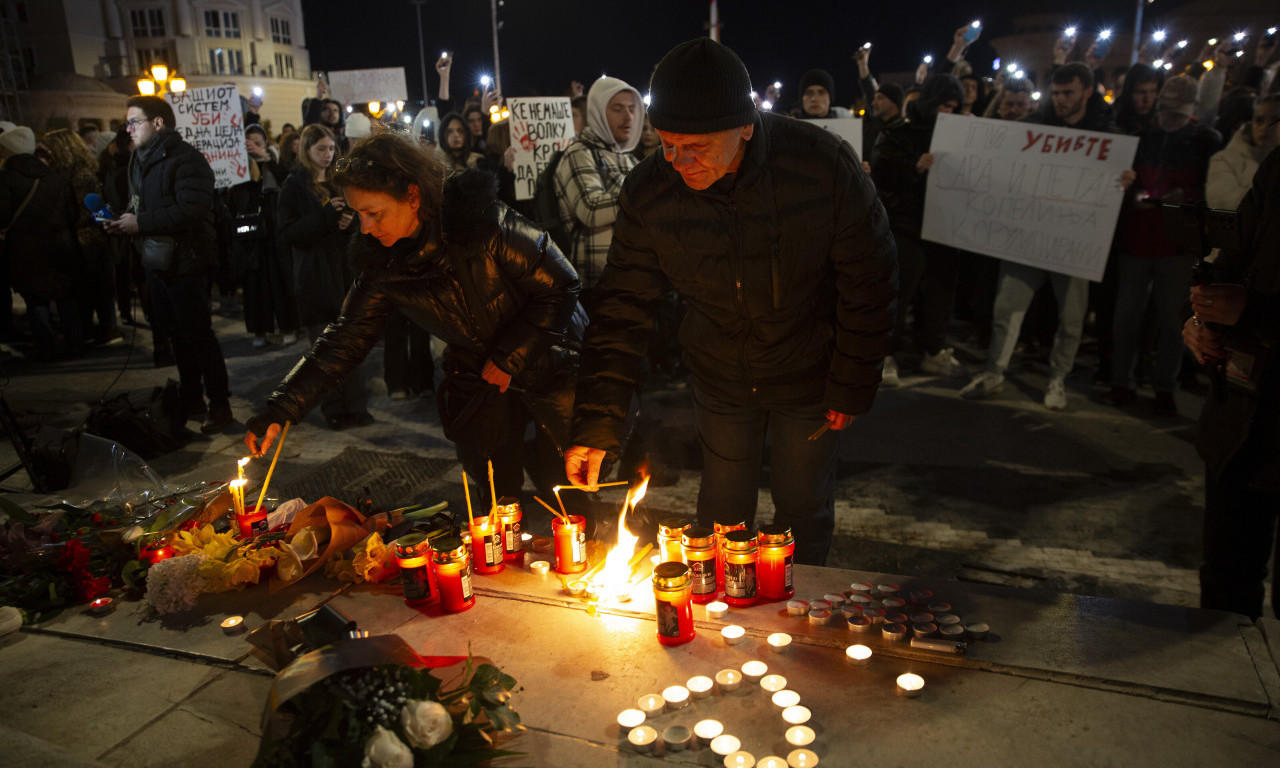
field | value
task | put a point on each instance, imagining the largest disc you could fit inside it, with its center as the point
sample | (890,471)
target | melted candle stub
(232,624)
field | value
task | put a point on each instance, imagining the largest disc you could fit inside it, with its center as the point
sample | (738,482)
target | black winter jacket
(519,304)
(893,166)
(1234,425)
(787,266)
(41,247)
(176,198)
(322,270)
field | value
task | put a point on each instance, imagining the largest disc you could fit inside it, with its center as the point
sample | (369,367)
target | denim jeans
(802,472)
(1018,285)
(180,313)
(1165,281)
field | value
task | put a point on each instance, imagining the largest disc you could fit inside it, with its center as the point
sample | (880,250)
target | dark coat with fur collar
(516,309)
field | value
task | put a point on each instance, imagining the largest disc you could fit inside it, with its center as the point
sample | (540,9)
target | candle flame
(244,461)
(614,578)
(239,482)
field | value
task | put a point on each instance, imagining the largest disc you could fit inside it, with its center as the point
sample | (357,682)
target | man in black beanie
(817,91)
(775,238)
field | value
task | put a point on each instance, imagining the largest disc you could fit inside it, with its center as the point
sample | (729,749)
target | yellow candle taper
(466,488)
(493,495)
(237,495)
(551,509)
(598,485)
(263,493)
(560,501)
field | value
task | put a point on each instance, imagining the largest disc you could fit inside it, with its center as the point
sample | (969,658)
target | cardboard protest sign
(1032,194)
(209,119)
(364,85)
(847,128)
(539,127)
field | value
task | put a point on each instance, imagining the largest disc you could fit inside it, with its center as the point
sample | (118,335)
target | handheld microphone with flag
(98,208)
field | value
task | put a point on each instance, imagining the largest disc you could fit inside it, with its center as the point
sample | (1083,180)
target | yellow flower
(220,576)
(215,546)
(341,569)
(374,560)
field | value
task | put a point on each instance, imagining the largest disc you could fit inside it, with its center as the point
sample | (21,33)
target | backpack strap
(22,207)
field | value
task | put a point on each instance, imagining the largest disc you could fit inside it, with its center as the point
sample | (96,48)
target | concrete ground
(1094,500)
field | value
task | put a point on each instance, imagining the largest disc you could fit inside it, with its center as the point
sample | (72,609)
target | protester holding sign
(171,186)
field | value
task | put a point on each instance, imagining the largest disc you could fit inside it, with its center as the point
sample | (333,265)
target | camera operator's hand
(1221,303)
(1203,340)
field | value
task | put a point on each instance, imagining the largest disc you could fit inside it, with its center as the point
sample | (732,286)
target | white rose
(426,723)
(385,750)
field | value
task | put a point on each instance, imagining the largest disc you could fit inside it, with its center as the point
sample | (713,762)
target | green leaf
(14,511)
(134,574)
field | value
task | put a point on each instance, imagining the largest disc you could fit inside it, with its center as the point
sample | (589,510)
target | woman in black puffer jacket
(463,266)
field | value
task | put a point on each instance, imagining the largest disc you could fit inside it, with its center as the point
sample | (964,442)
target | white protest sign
(364,85)
(539,127)
(209,119)
(1033,194)
(847,128)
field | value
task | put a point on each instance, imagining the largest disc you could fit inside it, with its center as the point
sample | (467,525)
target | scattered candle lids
(800,736)
(797,715)
(801,758)
(233,624)
(642,737)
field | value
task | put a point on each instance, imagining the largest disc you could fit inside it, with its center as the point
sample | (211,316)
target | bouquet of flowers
(373,702)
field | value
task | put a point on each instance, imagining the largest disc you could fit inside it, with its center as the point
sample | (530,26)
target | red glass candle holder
(673,601)
(450,564)
(413,554)
(721,530)
(699,551)
(486,545)
(253,522)
(776,555)
(156,551)
(571,544)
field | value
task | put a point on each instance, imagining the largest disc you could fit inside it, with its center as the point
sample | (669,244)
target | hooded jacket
(517,307)
(787,267)
(40,244)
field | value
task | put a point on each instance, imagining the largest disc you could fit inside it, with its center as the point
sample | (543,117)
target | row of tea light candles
(631,722)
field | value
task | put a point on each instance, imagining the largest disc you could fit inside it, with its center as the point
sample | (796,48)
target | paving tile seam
(1264,664)
(151,650)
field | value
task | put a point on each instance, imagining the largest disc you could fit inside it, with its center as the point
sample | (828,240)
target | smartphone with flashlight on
(1103,44)
(972,32)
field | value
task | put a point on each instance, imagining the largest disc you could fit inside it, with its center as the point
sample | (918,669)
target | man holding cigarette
(775,238)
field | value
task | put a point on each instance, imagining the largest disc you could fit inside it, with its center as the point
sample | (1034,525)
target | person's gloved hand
(263,430)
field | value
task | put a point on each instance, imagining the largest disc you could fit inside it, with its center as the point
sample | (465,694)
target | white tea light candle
(857,655)
(728,680)
(642,738)
(752,671)
(773,683)
(717,609)
(797,607)
(910,685)
(724,744)
(650,704)
(801,758)
(676,738)
(796,715)
(785,699)
(779,642)
(700,686)
(740,759)
(233,624)
(732,634)
(676,696)
(771,761)
(706,730)
(630,718)
(800,736)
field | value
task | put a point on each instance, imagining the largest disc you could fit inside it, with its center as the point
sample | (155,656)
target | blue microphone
(98,208)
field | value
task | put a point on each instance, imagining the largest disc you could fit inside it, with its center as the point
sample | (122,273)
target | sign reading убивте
(539,127)
(209,119)
(1033,194)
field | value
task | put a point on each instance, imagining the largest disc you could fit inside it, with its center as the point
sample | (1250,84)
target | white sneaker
(944,363)
(1055,395)
(889,376)
(984,385)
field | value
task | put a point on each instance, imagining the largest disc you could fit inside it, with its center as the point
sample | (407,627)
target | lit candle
(796,715)
(577,588)
(857,654)
(540,567)
(676,696)
(724,744)
(240,467)
(233,624)
(676,737)
(706,730)
(728,680)
(732,634)
(800,736)
(797,607)
(801,758)
(102,606)
(630,718)
(779,642)
(650,704)
(775,561)
(642,738)
(784,699)
(570,543)
(717,609)
(773,683)
(699,686)
(237,495)
(752,671)
(487,555)
(740,759)
(910,685)
(771,761)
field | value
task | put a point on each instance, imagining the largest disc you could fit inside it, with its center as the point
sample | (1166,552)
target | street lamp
(161,80)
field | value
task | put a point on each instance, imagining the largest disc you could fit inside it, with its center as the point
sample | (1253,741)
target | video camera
(1200,228)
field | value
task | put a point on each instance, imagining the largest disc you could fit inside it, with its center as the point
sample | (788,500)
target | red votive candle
(510,514)
(157,551)
(740,556)
(486,545)
(252,522)
(673,601)
(670,535)
(721,530)
(699,548)
(413,553)
(571,544)
(450,563)
(777,554)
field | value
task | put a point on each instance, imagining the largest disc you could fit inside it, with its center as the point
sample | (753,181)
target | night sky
(544,44)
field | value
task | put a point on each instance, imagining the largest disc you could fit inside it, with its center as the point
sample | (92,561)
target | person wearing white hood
(590,174)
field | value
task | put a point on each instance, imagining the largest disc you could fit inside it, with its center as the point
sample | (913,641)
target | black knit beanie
(892,92)
(818,77)
(700,87)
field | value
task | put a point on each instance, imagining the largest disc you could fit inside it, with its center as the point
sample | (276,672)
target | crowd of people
(710,211)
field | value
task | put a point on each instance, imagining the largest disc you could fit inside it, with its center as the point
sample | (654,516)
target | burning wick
(800,736)
(233,624)
(909,685)
(101,606)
